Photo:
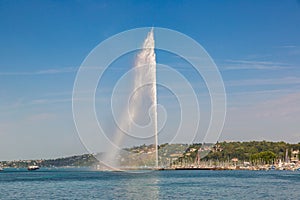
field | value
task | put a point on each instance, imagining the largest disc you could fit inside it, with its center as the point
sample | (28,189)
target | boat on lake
(33,167)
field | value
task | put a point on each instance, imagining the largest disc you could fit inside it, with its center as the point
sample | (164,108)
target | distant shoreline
(253,155)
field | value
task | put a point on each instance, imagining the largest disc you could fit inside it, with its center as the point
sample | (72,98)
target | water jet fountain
(143,95)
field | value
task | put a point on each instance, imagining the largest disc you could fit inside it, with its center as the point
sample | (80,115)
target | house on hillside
(295,156)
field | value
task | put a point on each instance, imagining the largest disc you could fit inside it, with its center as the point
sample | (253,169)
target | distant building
(217,148)
(295,156)
(234,160)
(192,149)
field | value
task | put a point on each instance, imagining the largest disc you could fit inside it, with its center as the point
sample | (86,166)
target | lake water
(85,184)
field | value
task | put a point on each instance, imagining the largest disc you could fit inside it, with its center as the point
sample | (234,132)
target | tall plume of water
(147,60)
(143,97)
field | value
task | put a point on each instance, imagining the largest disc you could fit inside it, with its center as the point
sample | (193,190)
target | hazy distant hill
(138,155)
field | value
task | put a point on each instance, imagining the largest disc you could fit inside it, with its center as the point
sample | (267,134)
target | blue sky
(255,44)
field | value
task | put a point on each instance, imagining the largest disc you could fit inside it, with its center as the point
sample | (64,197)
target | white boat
(33,167)
(1,169)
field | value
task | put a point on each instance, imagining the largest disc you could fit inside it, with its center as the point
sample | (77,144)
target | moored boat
(272,167)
